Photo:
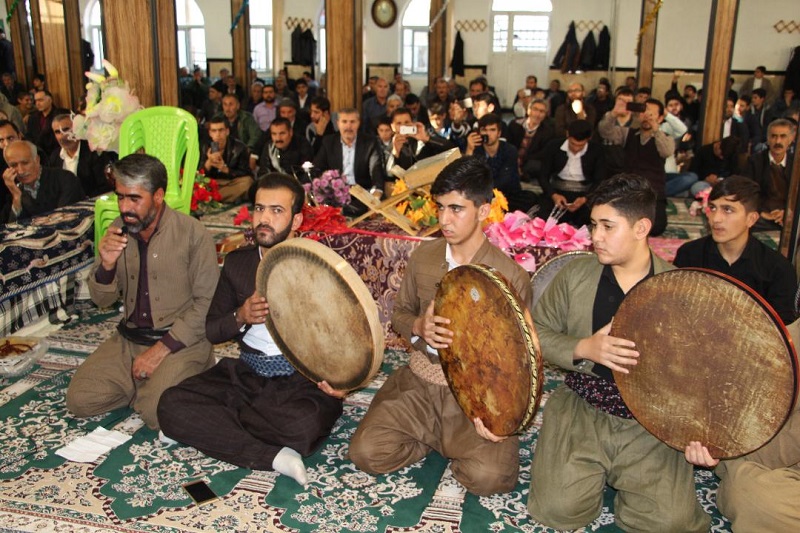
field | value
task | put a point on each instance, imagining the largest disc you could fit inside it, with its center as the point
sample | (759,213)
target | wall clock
(384,12)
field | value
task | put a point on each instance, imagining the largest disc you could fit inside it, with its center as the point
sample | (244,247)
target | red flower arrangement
(205,195)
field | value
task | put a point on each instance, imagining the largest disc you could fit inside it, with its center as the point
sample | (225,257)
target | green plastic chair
(169,134)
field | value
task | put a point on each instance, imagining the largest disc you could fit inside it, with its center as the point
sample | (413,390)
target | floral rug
(137,486)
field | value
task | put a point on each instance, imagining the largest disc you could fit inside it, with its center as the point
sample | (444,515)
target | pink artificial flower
(526,261)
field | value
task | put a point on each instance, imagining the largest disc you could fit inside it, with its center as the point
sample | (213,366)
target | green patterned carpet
(137,486)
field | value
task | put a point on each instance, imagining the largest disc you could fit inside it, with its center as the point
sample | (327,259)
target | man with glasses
(76,157)
(573,109)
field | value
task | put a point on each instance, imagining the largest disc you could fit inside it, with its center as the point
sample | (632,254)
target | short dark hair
(301,81)
(580,130)
(692,87)
(436,108)
(484,97)
(644,90)
(623,91)
(280,121)
(62,116)
(656,102)
(140,170)
(762,68)
(468,175)
(383,120)
(480,81)
(411,99)
(279,180)
(745,98)
(760,92)
(630,194)
(321,103)
(531,76)
(270,85)
(400,111)
(4,123)
(742,189)
(231,95)
(490,119)
(218,119)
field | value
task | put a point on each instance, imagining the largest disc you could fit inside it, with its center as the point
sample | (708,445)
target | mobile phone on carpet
(200,492)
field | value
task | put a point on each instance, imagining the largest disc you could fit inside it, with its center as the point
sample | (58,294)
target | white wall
(217,14)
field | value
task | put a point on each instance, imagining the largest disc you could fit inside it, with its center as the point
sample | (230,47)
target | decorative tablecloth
(40,261)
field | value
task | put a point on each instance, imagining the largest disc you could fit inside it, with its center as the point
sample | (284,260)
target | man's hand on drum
(698,455)
(325,387)
(429,327)
(254,310)
(485,433)
(613,352)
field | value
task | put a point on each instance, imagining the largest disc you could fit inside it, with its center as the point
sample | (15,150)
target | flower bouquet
(205,195)
(109,100)
(420,209)
(329,189)
(700,205)
(517,231)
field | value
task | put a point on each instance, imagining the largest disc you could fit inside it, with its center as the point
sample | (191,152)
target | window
(416,20)
(94,33)
(520,31)
(191,34)
(261,37)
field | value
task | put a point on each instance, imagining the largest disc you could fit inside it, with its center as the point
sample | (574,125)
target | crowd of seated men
(565,141)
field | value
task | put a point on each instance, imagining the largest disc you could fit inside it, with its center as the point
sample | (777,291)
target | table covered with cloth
(40,260)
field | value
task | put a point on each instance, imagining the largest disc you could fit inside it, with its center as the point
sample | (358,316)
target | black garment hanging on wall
(588,50)
(603,52)
(457,63)
(568,54)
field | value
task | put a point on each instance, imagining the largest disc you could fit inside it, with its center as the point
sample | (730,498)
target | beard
(141,223)
(273,238)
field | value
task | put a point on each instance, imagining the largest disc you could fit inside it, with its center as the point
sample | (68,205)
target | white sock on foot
(289,463)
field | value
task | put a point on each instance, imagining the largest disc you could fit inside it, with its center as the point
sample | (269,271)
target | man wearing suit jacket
(570,170)
(40,122)
(357,157)
(34,189)
(255,411)
(758,81)
(76,157)
(530,135)
(772,170)
(407,149)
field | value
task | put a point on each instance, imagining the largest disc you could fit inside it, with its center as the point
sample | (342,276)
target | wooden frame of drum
(321,314)
(494,365)
(716,364)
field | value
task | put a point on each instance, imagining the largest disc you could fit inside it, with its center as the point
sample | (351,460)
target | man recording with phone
(412,141)
(645,148)
(501,157)
(226,160)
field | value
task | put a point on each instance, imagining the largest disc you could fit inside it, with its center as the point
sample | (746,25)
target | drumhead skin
(547,272)
(321,314)
(715,366)
(494,365)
